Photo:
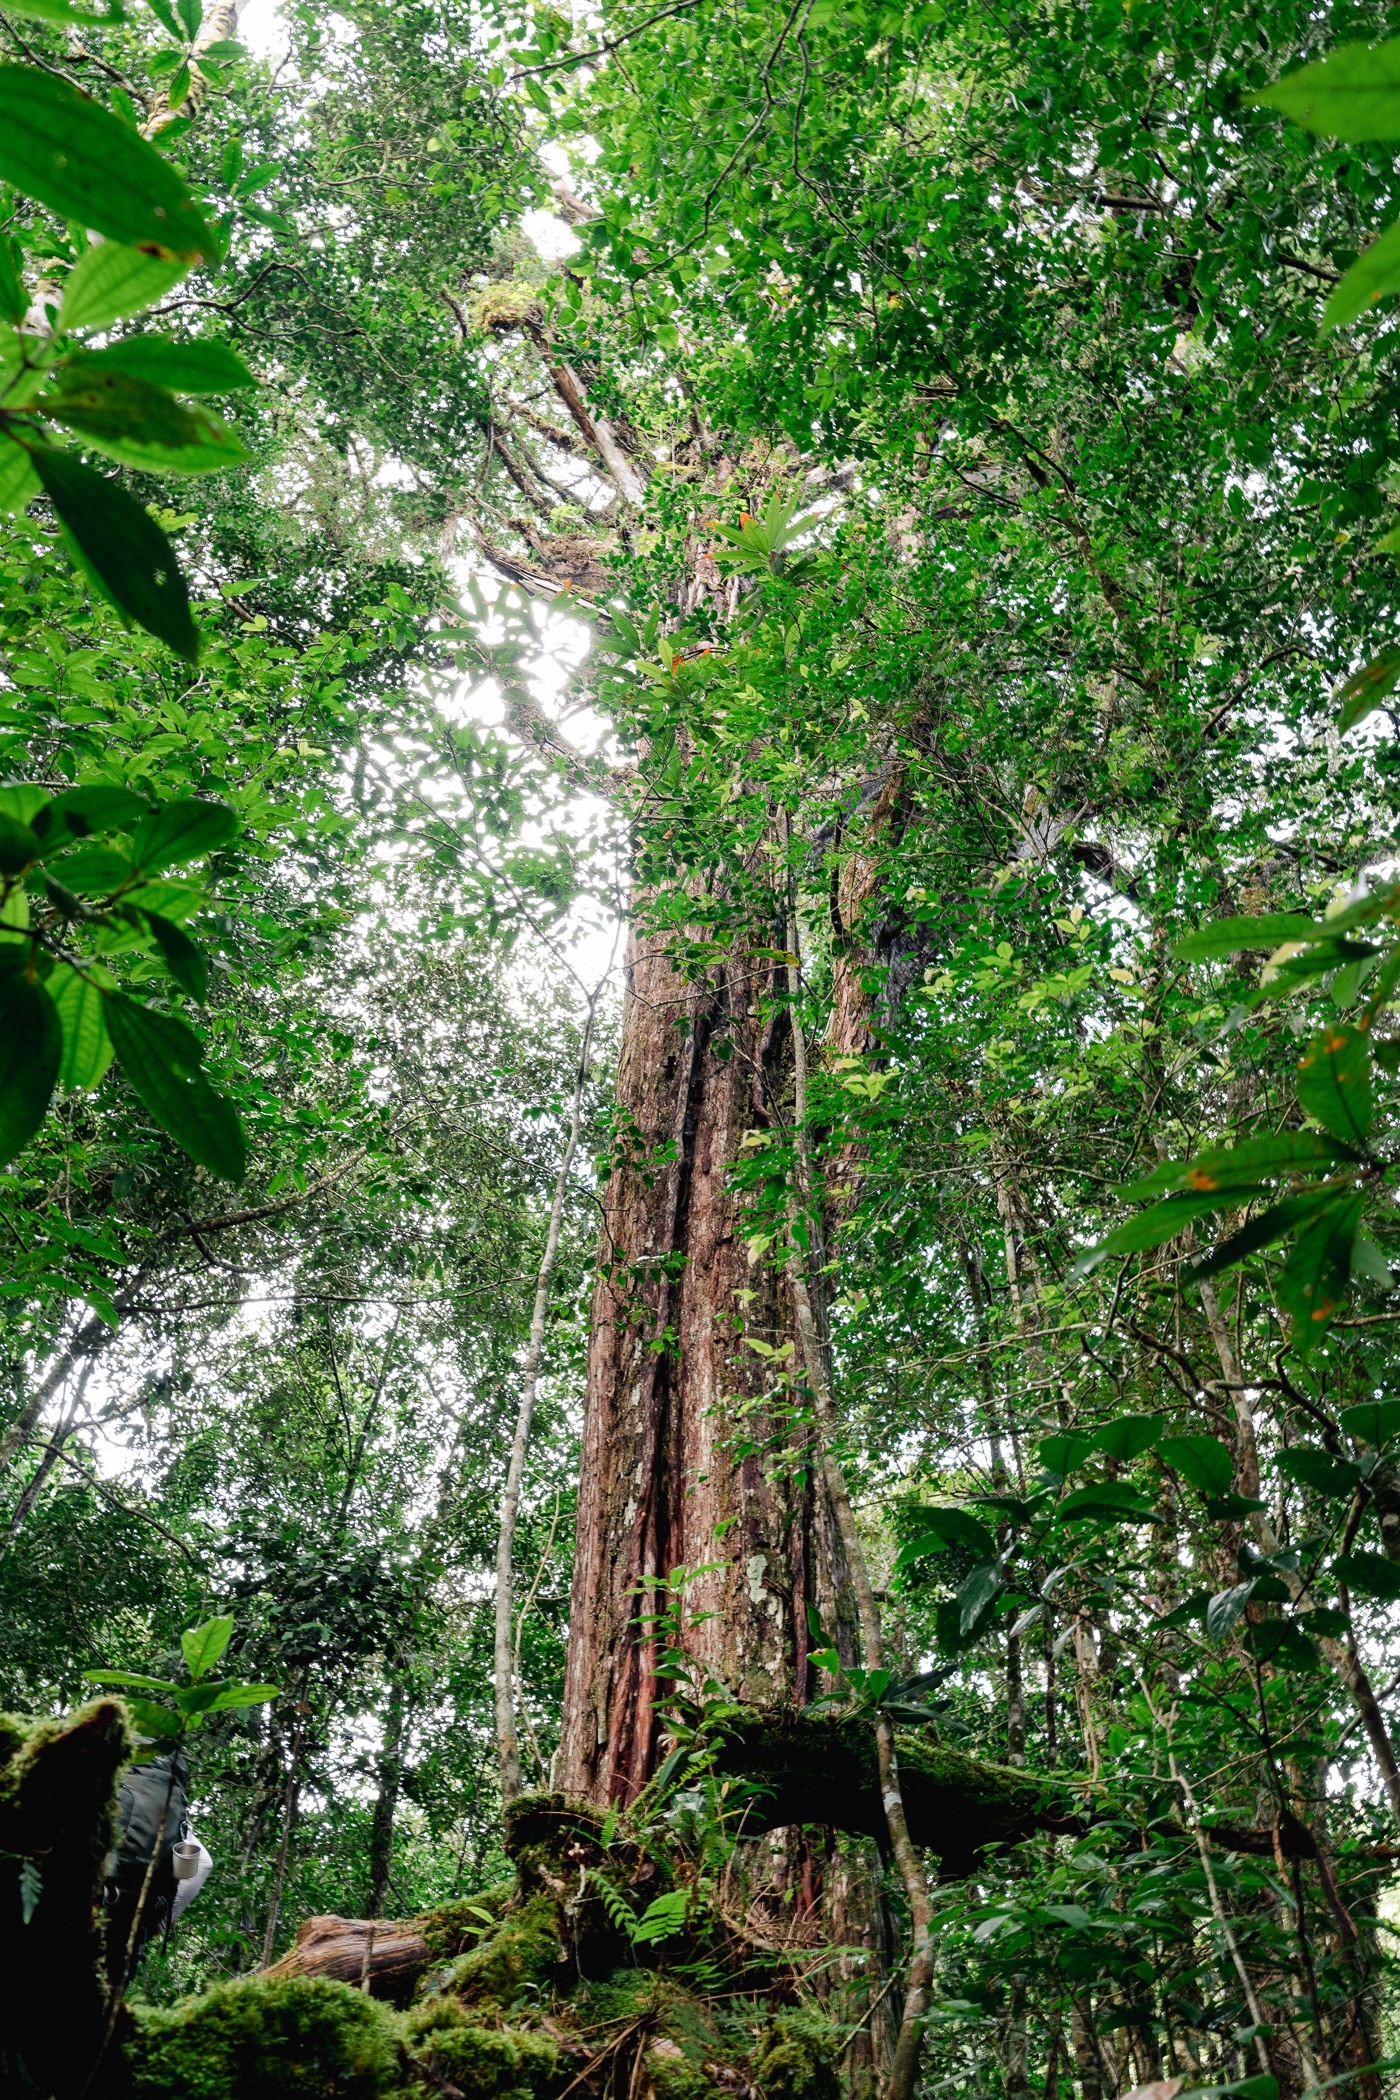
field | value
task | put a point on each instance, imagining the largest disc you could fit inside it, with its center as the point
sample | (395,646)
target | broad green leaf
(1372,1422)
(120,548)
(1019,1510)
(948,1629)
(23,801)
(19,846)
(161,1723)
(1365,690)
(1369,1263)
(201,367)
(1203,1460)
(1151,1227)
(1184,1613)
(87,165)
(139,424)
(31,1045)
(173,900)
(14,303)
(14,913)
(1228,936)
(87,1047)
(130,1677)
(111,281)
(1106,1499)
(1370,1575)
(18,480)
(1239,1166)
(1318,1470)
(1271,1225)
(184,958)
(1334,1082)
(1283,1643)
(1061,1454)
(938,1527)
(1128,1437)
(81,811)
(1324,1622)
(1224,1608)
(160,1059)
(1225,1508)
(1353,93)
(91,871)
(1313,1282)
(67,13)
(181,831)
(196,1700)
(977,1593)
(203,1645)
(245,1695)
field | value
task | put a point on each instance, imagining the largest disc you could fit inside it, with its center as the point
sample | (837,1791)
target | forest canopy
(699,1030)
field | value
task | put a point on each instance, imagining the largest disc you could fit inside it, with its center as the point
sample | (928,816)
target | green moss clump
(483,2063)
(453,1926)
(503,307)
(627,1994)
(285,2038)
(523,1951)
(798,2057)
(676,2072)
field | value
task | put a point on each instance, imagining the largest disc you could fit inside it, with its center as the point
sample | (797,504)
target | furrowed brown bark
(661,1487)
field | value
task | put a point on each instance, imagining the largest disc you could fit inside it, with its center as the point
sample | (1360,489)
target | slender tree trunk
(1084,2042)
(386,1800)
(289,1810)
(34,1486)
(507,1739)
(89,1340)
(904,2068)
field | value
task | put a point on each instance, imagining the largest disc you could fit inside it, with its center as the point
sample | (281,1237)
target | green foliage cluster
(1006,619)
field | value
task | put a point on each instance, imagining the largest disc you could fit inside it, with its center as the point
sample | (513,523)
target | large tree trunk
(662,1487)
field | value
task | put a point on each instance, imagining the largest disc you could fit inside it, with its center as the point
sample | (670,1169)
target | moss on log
(821,1769)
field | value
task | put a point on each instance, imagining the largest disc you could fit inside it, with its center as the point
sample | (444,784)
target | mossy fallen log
(57,1826)
(813,1768)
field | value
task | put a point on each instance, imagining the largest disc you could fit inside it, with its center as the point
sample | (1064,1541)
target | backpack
(141,1802)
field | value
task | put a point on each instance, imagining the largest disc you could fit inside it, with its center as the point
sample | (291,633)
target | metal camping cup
(186,1858)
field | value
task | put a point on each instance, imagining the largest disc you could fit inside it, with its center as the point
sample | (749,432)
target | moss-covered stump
(57,1800)
(822,1769)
